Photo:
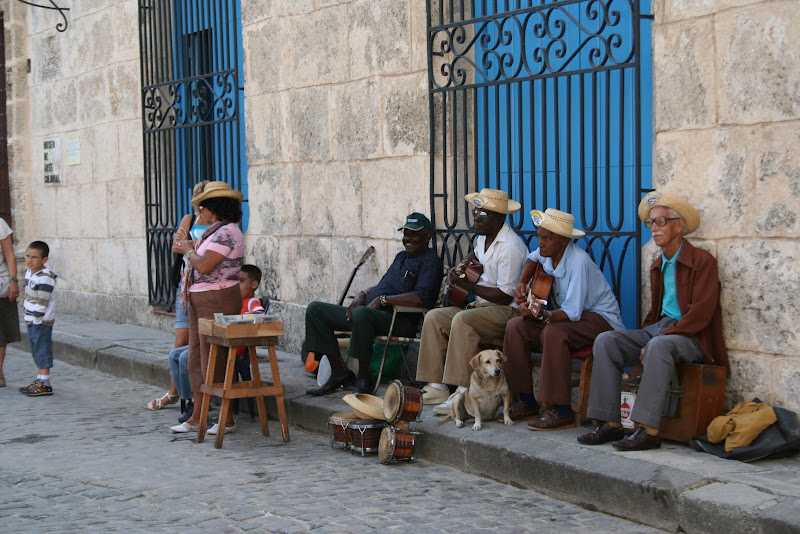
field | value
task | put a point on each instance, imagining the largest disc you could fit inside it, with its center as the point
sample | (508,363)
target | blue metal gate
(192,105)
(550,101)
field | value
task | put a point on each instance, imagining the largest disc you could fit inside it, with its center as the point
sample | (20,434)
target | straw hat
(216,190)
(558,222)
(493,200)
(365,406)
(670,200)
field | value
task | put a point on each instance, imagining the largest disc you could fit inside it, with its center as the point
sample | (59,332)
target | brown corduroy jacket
(698,287)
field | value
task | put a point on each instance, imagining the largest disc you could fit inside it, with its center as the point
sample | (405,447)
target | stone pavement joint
(672,488)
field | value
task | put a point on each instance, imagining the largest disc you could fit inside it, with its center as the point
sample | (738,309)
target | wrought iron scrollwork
(61,26)
(191,101)
(546,40)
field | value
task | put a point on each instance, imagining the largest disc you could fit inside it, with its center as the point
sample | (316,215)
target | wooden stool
(232,337)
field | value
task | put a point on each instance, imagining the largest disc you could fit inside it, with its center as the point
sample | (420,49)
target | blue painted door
(208,60)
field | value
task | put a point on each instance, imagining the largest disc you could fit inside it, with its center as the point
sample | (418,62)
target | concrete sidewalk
(672,488)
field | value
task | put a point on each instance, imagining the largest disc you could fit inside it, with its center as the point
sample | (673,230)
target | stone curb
(553,463)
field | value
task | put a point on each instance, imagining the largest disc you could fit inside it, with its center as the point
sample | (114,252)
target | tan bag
(741,425)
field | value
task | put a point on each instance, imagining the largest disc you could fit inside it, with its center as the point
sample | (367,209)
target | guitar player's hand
(521,293)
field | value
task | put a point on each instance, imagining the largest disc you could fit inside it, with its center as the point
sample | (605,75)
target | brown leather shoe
(550,420)
(639,441)
(519,411)
(602,434)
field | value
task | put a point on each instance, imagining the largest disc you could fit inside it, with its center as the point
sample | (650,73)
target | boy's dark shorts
(9,322)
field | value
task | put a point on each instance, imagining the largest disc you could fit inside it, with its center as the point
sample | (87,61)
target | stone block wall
(337,142)
(82,84)
(727,136)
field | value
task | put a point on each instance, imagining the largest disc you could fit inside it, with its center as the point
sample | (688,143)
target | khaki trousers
(450,338)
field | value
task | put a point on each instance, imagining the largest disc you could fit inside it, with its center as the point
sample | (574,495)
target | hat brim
(575,232)
(512,207)
(368,405)
(414,229)
(217,193)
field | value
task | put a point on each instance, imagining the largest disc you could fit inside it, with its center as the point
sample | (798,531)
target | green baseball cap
(417,221)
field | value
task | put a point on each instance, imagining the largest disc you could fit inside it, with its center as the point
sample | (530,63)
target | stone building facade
(336,112)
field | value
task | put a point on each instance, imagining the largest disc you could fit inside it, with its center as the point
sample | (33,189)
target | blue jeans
(179,364)
(41,339)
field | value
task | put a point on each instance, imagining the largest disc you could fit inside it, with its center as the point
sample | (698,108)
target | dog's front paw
(477,426)
(459,423)
(507,420)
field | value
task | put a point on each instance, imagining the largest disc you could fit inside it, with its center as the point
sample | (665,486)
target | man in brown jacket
(684,325)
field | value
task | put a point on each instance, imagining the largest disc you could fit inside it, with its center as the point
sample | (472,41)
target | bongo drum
(396,444)
(364,436)
(337,429)
(401,403)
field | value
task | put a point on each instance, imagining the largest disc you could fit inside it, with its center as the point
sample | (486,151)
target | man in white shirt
(451,335)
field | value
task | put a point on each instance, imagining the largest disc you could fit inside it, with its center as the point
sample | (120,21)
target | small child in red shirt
(249,279)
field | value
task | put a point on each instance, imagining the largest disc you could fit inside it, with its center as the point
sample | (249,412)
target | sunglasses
(479,215)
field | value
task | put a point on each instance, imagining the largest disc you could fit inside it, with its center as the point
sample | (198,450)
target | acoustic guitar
(539,288)
(455,295)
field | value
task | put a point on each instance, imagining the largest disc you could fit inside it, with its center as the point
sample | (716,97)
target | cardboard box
(209,327)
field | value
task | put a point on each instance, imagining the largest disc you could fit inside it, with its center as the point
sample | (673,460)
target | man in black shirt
(413,279)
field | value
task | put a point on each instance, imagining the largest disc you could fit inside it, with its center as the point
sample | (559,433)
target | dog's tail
(445,419)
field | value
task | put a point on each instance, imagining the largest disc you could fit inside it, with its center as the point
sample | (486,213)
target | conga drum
(364,436)
(401,403)
(396,444)
(338,424)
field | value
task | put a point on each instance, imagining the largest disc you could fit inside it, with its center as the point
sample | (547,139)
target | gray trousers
(617,349)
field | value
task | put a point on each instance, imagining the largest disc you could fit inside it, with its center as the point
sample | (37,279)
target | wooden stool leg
(212,360)
(256,374)
(276,380)
(227,404)
(583,389)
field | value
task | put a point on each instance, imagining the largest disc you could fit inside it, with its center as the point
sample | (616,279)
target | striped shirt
(39,299)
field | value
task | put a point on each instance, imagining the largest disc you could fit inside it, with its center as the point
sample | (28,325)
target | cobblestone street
(91,458)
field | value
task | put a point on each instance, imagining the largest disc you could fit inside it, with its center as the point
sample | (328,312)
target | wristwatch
(14,278)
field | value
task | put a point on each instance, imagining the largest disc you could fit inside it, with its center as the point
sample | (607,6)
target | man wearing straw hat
(684,325)
(451,335)
(581,305)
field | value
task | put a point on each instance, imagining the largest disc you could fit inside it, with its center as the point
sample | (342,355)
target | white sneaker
(432,395)
(444,408)
(183,428)
(228,429)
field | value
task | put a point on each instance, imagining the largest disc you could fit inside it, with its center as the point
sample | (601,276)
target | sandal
(2,381)
(157,404)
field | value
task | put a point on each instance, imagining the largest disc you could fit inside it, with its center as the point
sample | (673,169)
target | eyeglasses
(659,221)
(479,215)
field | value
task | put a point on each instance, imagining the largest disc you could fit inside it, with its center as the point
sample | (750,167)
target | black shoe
(639,441)
(333,383)
(362,386)
(187,413)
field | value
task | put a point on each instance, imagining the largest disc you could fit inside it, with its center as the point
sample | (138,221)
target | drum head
(386,445)
(392,400)
(343,417)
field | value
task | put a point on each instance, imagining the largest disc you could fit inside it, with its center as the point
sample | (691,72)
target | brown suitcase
(704,395)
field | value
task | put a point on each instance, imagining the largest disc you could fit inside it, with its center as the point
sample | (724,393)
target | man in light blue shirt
(581,305)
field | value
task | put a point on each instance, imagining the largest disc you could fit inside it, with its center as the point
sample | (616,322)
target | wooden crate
(704,395)
(209,327)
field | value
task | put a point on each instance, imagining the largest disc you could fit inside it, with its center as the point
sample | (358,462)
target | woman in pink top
(212,279)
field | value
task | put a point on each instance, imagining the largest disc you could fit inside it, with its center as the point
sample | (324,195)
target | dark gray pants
(617,349)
